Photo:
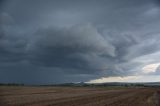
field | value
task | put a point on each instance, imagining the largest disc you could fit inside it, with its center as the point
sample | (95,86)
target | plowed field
(78,96)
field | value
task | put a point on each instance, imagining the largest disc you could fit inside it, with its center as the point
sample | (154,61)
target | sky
(95,41)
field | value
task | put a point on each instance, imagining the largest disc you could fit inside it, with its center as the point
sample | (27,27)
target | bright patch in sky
(147,78)
(114,79)
(150,68)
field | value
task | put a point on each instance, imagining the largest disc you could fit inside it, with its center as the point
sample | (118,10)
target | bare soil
(78,96)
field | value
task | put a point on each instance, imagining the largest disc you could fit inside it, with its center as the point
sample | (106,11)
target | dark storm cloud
(65,41)
(68,45)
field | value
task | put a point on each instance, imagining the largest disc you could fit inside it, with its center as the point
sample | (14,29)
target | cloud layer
(67,41)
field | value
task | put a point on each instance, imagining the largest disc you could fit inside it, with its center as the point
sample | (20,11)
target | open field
(78,96)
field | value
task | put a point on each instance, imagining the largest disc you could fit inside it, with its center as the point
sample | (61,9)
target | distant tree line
(82,84)
(11,84)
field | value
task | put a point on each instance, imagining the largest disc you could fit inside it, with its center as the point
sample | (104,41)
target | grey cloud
(51,40)
(78,46)
(5,19)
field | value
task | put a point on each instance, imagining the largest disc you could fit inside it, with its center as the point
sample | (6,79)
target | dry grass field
(78,96)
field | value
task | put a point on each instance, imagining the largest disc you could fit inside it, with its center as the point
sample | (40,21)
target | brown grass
(78,96)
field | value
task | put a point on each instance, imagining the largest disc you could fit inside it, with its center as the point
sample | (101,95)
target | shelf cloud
(61,41)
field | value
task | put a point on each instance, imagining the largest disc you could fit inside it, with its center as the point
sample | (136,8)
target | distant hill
(83,84)
(126,84)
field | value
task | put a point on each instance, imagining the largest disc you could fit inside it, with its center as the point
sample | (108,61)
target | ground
(78,96)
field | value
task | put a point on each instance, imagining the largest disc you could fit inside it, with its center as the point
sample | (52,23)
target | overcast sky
(57,41)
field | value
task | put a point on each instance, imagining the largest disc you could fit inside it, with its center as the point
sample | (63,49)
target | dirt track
(65,96)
